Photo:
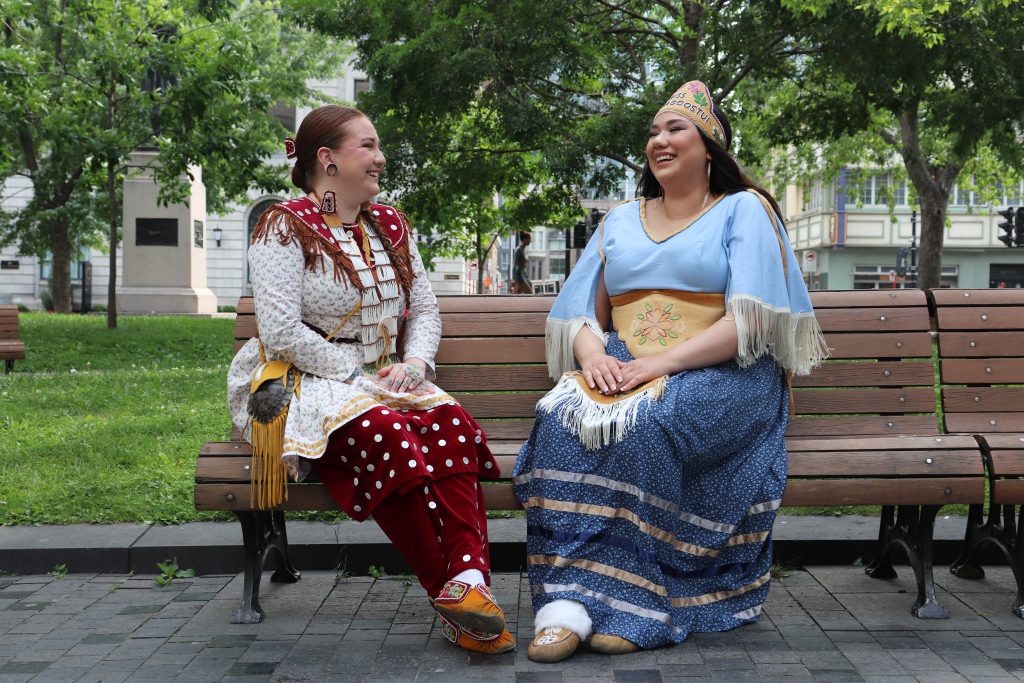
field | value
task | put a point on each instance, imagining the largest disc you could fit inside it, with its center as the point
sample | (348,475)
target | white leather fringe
(795,341)
(559,336)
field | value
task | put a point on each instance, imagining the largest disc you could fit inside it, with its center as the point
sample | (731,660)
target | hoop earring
(330,166)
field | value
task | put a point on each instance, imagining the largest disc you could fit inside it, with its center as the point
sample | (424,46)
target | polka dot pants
(417,472)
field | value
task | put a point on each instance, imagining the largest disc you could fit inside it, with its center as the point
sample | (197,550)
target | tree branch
(622,160)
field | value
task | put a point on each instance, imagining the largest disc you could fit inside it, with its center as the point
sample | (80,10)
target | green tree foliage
(84,82)
(533,100)
(932,86)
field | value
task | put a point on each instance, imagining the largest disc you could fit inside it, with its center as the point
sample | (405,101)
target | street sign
(809,264)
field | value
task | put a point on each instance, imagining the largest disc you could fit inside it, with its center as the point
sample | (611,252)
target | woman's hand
(641,370)
(602,371)
(403,377)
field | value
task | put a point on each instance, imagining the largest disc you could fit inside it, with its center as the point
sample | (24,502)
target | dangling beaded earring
(329,204)
(330,201)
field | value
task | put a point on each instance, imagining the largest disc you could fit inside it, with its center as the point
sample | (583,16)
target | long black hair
(726,176)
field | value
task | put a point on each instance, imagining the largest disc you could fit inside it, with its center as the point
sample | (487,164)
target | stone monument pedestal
(164,247)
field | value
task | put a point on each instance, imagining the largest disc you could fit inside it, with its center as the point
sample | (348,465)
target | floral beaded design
(657,323)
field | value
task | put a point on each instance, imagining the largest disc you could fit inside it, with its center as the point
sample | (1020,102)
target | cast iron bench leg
(254,538)
(881,566)
(10,367)
(285,572)
(913,531)
(978,529)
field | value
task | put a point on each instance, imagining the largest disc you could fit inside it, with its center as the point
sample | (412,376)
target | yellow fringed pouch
(273,384)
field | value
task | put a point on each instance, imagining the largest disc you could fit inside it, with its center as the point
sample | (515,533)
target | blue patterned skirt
(669,531)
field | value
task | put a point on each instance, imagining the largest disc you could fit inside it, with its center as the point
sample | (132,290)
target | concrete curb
(216,547)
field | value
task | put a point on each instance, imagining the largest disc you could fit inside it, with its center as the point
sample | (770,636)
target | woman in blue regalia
(657,463)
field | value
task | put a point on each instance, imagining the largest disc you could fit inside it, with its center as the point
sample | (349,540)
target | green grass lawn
(105,426)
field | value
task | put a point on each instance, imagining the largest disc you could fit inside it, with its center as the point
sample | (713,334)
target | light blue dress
(667,531)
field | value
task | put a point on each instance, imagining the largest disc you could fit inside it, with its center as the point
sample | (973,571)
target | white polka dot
(390,212)
(442,443)
(408,428)
(448,462)
(362,454)
(436,427)
(455,421)
(391,474)
(405,444)
(466,558)
(375,213)
(481,560)
(462,439)
(479,432)
(438,539)
(384,412)
(344,459)
(355,481)
(351,441)
(355,467)
(393,227)
(386,457)
(397,426)
(476,439)
(369,468)
(378,438)
(412,463)
(357,508)
(441,522)
(426,490)
(424,449)
(423,431)
(488,465)
(432,505)
(430,468)
(465,461)
(367,496)
(379,485)
(366,423)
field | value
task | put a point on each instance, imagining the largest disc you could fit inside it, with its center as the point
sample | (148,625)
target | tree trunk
(112,284)
(60,276)
(479,260)
(933,232)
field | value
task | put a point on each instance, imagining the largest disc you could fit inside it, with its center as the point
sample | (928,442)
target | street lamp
(217,234)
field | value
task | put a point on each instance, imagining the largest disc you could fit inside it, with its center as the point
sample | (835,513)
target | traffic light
(1018,228)
(1007,225)
(583,229)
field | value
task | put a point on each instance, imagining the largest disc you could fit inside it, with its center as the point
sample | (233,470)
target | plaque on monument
(198,231)
(156,232)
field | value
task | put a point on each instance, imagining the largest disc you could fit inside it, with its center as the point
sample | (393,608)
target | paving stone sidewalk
(828,624)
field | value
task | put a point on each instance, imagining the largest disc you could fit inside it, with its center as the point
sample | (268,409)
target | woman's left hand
(403,377)
(641,370)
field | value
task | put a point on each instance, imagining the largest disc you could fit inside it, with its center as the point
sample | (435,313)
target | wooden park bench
(981,357)
(865,431)
(11,346)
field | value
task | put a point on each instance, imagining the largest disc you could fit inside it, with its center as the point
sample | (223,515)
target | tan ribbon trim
(708,598)
(748,538)
(650,321)
(599,568)
(621,513)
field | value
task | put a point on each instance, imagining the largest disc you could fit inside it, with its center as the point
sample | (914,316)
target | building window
(540,240)
(877,277)
(557,266)
(877,188)
(959,197)
(359,86)
(813,197)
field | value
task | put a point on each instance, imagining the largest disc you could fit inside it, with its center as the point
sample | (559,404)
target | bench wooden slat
(507,324)
(822,299)
(1008,491)
(983,423)
(978,344)
(1007,441)
(940,443)
(476,378)
(983,371)
(908,491)
(884,464)
(316,497)
(874,319)
(861,425)
(881,345)
(980,318)
(474,303)
(1008,463)
(885,373)
(484,350)
(977,297)
(983,399)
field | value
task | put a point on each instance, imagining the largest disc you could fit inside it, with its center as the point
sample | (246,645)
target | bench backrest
(981,357)
(880,379)
(9,323)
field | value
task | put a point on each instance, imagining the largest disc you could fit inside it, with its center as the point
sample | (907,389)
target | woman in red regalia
(337,282)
